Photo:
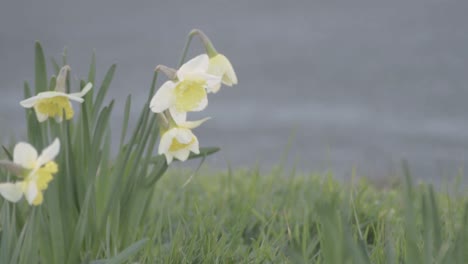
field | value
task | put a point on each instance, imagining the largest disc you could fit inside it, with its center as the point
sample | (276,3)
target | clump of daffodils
(56,104)
(186,91)
(35,172)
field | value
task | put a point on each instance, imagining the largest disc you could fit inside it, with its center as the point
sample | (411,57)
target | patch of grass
(248,217)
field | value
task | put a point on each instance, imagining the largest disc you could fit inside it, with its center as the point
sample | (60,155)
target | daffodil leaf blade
(128,104)
(40,70)
(104,87)
(10,157)
(204,152)
(92,69)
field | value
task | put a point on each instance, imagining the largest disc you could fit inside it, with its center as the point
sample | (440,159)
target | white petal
(230,76)
(194,147)
(166,141)
(11,191)
(31,192)
(201,105)
(182,154)
(74,98)
(164,97)
(183,135)
(49,153)
(193,124)
(213,88)
(198,64)
(58,119)
(61,79)
(25,155)
(178,117)
(40,116)
(83,92)
(30,102)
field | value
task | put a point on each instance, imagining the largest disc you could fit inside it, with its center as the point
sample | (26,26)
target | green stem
(210,49)
(184,53)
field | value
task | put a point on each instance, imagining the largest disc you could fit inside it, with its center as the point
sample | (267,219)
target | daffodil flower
(37,172)
(178,141)
(219,65)
(56,103)
(188,92)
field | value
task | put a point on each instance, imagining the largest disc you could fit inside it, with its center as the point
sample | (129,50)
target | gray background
(363,84)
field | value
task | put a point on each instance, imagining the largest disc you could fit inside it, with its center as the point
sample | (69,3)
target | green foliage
(245,217)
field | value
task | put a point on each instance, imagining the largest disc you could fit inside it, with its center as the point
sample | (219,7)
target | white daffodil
(220,66)
(36,171)
(178,141)
(55,103)
(188,92)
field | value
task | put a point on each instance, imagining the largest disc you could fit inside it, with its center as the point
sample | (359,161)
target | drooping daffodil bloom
(219,65)
(187,93)
(55,103)
(178,140)
(36,172)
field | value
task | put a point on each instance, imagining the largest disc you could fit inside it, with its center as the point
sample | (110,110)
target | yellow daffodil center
(41,178)
(55,106)
(189,93)
(176,145)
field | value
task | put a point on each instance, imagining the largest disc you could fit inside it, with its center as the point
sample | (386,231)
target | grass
(246,217)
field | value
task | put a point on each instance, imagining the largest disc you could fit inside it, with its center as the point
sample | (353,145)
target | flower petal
(74,98)
(61,79)
(193,124)
(25,155)
(164,97)
(58,118)
(194,147)
(221,66)
(11,191)
(201,105)
(40,116)
(30,102)
(213,88)
(49,153)
(83,92)
(178,117)
(165,141)
(198,64)
(31,192)
(183,135)
(182,154)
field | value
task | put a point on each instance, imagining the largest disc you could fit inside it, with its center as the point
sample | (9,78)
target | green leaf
(104,87)
(10,157)
(92,69)
(204,152)
(40,69)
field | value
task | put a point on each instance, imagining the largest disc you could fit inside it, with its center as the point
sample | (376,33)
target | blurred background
(354,84)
